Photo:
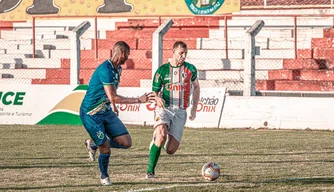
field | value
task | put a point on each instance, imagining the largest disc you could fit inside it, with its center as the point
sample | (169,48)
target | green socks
(153,160)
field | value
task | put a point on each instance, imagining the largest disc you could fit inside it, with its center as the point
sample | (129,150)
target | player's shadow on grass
(293,161)
(48,165)
(48,187)
(61,187)
(303,181)
(249,154)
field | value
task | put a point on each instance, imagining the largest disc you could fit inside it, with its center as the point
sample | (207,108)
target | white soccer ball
(210,171)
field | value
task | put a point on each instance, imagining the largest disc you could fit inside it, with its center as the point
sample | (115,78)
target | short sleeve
(157,81)
(106,77)
(194,73)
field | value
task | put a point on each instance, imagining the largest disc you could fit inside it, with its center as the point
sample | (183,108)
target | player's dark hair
(122,46)
(179,43)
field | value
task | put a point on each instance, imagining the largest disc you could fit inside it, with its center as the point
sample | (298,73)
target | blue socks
(103,165)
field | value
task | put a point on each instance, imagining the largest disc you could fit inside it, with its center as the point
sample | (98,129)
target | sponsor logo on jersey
(176,86)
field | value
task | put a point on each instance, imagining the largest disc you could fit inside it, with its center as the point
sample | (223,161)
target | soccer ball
(210,171)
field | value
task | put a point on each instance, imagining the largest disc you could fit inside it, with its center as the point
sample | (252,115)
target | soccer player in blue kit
(98,111)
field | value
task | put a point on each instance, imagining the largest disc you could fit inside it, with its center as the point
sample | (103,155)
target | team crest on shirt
(184,75)
(167,77)
(156,79)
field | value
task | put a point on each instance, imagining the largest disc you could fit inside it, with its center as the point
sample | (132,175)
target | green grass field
(53,158)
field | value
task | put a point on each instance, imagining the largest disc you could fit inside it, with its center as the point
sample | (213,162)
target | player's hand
(115,109)
(159,101)
(192,114)
(146,98)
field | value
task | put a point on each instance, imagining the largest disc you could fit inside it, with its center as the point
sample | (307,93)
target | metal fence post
(75,52)
(157,44)
(249,61)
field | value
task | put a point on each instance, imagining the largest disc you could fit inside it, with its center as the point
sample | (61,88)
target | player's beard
(181,61)
(122,60)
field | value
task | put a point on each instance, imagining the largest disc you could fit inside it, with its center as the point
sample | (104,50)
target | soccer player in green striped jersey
(172,85)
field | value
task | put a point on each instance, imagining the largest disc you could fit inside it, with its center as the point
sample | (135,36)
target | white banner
(60,104)
(208,109)
(28,104)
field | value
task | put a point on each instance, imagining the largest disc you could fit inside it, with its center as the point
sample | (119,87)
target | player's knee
(170,151)
(160,139)
(104,150)
(127,144)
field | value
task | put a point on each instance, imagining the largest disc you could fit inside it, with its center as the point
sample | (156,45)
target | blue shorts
(103,124)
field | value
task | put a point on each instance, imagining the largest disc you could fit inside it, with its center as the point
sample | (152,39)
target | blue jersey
(96,98)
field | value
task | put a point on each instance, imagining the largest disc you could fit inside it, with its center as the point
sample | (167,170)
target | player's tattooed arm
(196,93)
(115,98)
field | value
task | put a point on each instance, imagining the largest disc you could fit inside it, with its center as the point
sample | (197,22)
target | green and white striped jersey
(175,84)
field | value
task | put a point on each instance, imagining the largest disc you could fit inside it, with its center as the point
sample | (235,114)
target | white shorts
(175,119)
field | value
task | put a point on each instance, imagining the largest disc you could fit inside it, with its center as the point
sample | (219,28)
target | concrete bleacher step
(47,32)
(196,54)
(61,53)
(124,83)
(50,81)
(7,42)
(109,43)
(295,85)
(143,43)
(32,62)
(264,43)
(329,33)
(13,35)
(323,42)
(128,75)
(4,75)
(308,64)
(323,53)
(198,22)
(24,73)
(268,33)
(304,85)
(131,63)
(279,21)
(10,66)
(201,63)
(146,43)
(145,33)
(237,75)
(13,46)
(215,54)
(234,64)
(68,24)
(295,74)
(11,81)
